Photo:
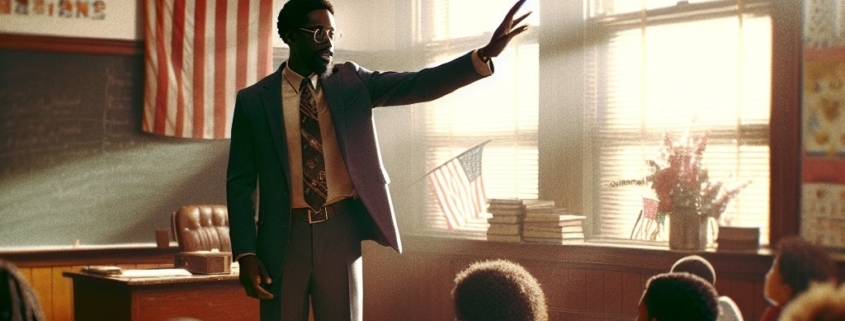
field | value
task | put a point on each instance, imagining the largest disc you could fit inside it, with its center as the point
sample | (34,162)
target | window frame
(561,166)
(423,54)
(750,134)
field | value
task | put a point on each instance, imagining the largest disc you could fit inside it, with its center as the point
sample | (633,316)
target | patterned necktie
(313,166)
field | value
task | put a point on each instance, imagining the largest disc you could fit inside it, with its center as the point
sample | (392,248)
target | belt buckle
(317,216)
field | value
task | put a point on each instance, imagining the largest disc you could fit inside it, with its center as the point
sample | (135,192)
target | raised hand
(505,32)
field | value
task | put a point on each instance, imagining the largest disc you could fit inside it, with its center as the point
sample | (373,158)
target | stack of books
(733,238)
(550,224)
(537,204)
(506,220)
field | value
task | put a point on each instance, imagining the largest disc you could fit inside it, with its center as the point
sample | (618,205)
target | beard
(327,71)
(320,67)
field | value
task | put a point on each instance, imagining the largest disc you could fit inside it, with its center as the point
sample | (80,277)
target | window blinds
(702,66)
(503,108)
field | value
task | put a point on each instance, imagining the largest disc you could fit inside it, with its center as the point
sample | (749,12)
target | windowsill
(591,242)
(594,242)
(612,254)
(426,236)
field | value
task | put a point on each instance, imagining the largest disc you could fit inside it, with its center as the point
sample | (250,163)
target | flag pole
(444,163)
(459,155)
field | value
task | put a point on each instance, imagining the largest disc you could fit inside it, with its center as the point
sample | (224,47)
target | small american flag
(459,187)
(650,208)
(199,53)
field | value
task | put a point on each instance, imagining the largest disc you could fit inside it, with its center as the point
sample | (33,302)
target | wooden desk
(203,297)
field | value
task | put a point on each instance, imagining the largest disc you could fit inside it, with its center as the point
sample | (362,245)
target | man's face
(306,55)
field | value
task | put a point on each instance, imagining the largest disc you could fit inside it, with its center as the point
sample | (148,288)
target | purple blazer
(258,156)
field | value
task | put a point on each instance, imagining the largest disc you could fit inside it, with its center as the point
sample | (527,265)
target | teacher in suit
(304,159)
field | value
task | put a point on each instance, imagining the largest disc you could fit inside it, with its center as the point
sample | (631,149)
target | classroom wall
(77,169)
(580,282)
(412,285)
(76,165)
(120,20)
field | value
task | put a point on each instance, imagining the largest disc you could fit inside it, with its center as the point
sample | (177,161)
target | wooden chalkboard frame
(71,45)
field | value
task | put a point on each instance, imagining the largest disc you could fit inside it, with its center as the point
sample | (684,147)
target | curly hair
(696,265)
(294,14)
(802,262)
(680,296)
(498,290)
(821,302)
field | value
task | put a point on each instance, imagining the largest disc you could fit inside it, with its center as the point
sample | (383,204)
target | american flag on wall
(459,187)
(198,54)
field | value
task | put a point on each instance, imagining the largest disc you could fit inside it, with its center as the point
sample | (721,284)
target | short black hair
(680,296)
(801,262)
(294,12)
(696,265)
(498,290)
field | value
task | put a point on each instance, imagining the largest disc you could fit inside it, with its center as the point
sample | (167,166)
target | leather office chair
(202,228)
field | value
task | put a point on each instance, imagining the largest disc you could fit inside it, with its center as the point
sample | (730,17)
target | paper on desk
(154,273)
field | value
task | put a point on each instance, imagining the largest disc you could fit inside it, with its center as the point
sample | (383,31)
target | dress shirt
(337,178)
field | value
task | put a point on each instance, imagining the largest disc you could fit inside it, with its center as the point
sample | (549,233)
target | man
(304,137)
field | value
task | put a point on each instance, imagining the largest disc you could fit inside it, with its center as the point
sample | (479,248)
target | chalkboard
(74,163)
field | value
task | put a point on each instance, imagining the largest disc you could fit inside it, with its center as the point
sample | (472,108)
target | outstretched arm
(392,88)
(504,33)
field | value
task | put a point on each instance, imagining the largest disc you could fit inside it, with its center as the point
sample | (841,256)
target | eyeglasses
(322,35)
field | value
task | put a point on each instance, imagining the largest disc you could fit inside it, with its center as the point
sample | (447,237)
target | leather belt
(324,214)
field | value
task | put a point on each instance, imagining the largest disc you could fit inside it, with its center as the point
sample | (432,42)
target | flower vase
(687,230)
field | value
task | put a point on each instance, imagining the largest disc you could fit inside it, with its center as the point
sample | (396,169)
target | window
(502,108)
(662,67)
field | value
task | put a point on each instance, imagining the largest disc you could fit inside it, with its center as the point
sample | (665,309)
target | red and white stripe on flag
(198,54)
(650,206)
(459,187)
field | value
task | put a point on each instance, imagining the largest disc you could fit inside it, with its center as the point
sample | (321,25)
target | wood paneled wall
(581,282)
(43,269)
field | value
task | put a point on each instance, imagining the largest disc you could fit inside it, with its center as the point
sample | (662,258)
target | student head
(308,28)
(696,265)
(796,264)
(498,290)
(678,296)
(821,302)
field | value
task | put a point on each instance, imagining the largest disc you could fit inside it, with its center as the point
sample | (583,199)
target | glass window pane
(611,7)
(503,108)
(711,75)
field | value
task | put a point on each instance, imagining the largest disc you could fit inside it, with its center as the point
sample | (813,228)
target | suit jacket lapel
(333,91)
(271,98)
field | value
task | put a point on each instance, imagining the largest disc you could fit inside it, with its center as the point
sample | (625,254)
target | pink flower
(679,178)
